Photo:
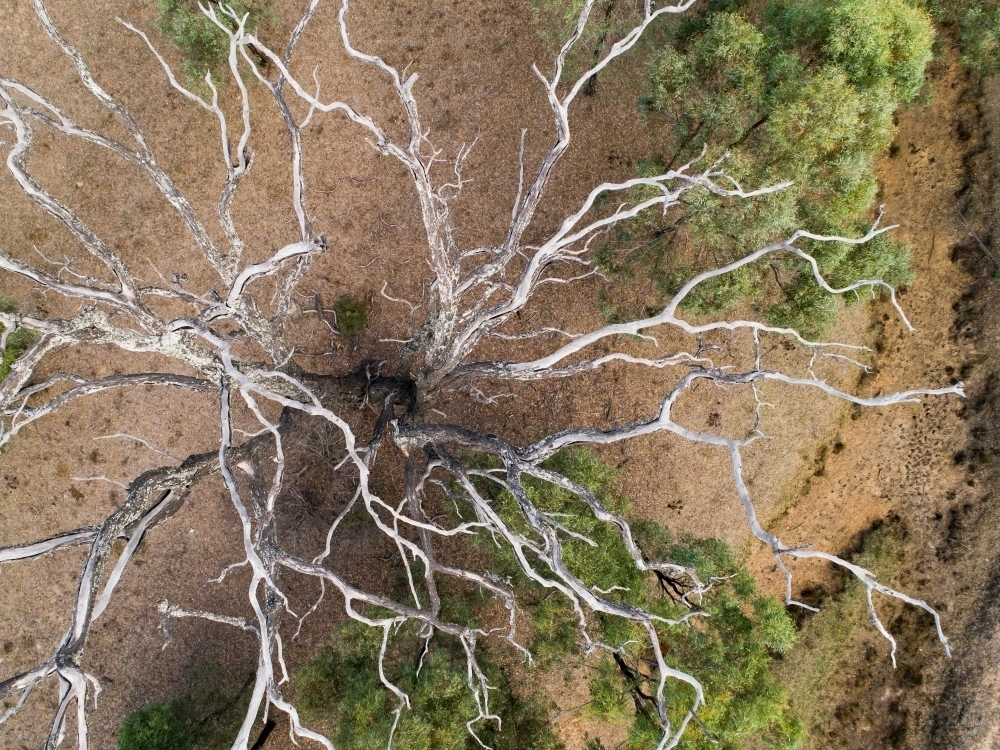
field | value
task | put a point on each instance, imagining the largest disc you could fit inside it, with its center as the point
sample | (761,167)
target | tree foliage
(203,45)
(342,686)
(782,91)
(204,718)
(729,646)
(730,650)
(977,27)
(805,92)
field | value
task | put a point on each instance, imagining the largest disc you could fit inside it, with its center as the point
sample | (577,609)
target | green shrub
(18,342)
(204,46)
(830,638)
(792,90)
(811,310)
(609,698)
(341,685)
(977,26)
(352,315)
(802,91)
(730,651)
(156,726)
(206,718)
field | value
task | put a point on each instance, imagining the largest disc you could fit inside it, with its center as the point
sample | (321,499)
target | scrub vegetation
(800,92)
(203,46)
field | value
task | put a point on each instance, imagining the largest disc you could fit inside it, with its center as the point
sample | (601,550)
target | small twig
(982,245)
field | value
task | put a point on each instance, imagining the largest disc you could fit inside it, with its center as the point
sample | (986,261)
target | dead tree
(476,295)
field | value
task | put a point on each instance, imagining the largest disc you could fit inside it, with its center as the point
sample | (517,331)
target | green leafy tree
(606,563)
(207,717)
(730,648)
(800,91)
(204,46)
(342,686)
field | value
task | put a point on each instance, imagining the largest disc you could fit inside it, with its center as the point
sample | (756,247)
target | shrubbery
(17,342)
(792,90)
(204,47)
(341,687)
(207,717)
(977,27)
(729,650)
(352,315)
(800,91)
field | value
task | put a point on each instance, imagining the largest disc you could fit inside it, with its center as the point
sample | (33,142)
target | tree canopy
(800,92)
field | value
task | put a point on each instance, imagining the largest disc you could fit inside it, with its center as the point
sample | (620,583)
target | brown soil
(826,476)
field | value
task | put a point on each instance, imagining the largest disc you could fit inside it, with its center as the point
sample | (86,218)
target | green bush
(18,342)
(555,628)
(341,686)
(802,91)
(730,651)
(830,638)
(204,46)
(156,726)
(977,26)
(352,315)
(792,90)
(206,718)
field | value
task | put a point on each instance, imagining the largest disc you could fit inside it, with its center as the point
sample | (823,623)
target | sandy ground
(476,82)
